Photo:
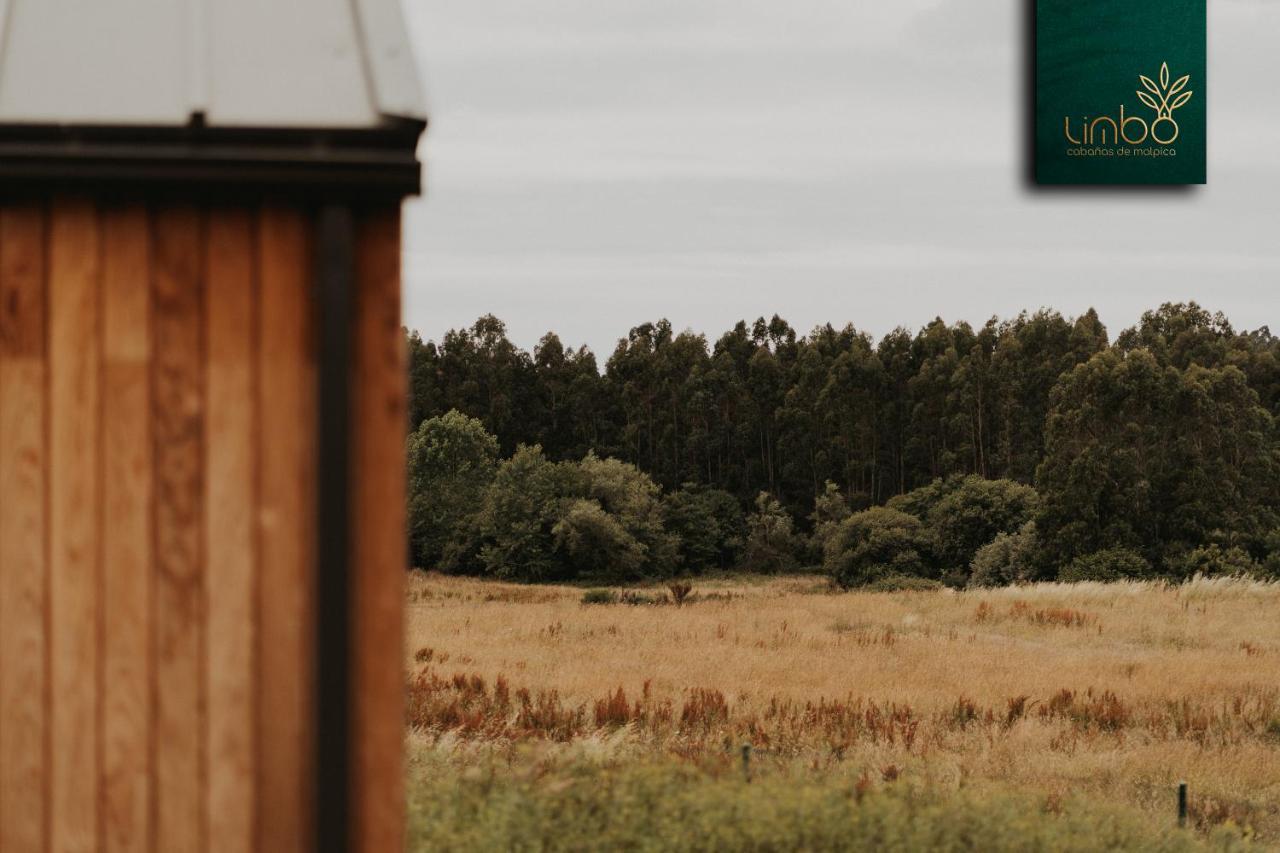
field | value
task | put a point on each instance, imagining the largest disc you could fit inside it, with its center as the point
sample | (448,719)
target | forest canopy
(1026,448)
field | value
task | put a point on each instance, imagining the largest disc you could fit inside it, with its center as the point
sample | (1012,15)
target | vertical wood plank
(230,463)
(74,534)
(286,530)
(126,532)
(178,410)
(378,551)
(23,565)
(22,290)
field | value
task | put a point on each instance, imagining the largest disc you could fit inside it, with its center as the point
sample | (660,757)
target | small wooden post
(1182,804)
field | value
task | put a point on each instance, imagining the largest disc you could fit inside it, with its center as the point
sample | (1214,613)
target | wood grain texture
(74,523)
(23,564)
(379,412)
(158,474)
(178,411)
(230,546)
(286,530)
(126,532)
(22,290)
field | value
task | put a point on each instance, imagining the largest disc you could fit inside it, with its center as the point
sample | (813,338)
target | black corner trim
(373,164)
(334,288)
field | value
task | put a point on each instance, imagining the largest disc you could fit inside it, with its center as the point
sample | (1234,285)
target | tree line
(1151,450)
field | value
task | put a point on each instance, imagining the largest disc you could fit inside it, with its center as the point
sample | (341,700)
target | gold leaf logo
(1157,97)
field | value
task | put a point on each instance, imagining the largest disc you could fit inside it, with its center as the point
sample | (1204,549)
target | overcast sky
(593,164)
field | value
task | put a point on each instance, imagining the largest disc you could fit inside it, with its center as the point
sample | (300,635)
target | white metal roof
(242,63)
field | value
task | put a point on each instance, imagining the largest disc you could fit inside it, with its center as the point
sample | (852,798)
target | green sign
(1120,91)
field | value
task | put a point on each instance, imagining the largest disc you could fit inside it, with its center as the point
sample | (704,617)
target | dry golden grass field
(1060,693)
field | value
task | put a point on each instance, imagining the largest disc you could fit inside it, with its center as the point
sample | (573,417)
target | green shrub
(627,596)
(1214,561)
(972,515)
(1270,562)
(921,500)
(634,501)
(599,596)
(1273,729)
(829,509)
(556,521)
(521,508)
(1009,558)
(962,514)
(595,543)
(643,599)
(772,544)
(904,583)
(874,544)
(708,524)
(1111,564)
(451,462)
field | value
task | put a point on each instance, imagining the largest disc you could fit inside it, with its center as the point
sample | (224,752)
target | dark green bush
(517,520)
(633,501)
(1271,563)
(556,521)
(1214,561)
(829,509)
(709,526)
(904,583)
(451,462)
(599,596)
(962,514)
(595,544)
(1111,564)
(874,544)
(1009,558)
(920,501)
(772,544)
(643,599)
(626,596)
(1273,729)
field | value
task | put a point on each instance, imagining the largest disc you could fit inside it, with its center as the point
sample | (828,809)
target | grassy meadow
(1051,716)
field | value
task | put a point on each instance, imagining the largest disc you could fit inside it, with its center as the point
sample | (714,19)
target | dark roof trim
(357,164)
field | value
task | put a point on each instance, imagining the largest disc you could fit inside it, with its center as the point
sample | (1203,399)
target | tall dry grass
(1105,690)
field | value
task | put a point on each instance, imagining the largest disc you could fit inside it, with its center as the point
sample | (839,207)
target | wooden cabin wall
(157,529)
